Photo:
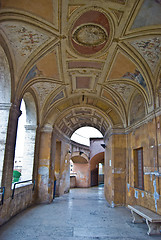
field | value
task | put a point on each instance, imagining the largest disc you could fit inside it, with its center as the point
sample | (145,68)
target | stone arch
(5,102)
(79,157)
(96,113)
(77,117)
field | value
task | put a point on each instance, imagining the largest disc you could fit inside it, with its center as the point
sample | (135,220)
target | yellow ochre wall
(119,167)
(115,162)
(149,137)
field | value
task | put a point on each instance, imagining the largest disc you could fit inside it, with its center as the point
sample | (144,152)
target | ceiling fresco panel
(48,65)
(137,110)
(90,33)
(149,14)
(150,49)
(24,40)
(5,78)
(82,60)
(33,73)
(44,89)
(124,90)
(59,96)
(124,68)
(122,64)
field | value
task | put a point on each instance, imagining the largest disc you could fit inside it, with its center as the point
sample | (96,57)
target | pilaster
(44,169)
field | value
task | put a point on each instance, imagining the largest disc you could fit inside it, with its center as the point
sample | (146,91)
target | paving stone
(82,214)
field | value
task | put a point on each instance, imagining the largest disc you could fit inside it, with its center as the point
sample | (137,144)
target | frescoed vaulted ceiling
(95,63)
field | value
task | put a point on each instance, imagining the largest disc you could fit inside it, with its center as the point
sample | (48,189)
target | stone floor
(81,214)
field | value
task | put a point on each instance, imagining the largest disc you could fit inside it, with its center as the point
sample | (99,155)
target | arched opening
(84,172)
(5,103)
(19,151)
(25,142)
(82,135)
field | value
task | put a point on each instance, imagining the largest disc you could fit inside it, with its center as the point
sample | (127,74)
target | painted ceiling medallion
(90,35)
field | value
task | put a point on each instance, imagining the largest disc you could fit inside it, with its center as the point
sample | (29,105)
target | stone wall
(23,198)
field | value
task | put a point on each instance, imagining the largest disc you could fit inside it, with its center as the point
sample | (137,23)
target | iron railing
(14,187)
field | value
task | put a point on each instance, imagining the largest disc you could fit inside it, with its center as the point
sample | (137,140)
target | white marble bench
(153,220)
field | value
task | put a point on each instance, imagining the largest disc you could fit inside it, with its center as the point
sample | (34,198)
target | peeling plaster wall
(44,169)
(57,165)
(147,136)
(108,180)
(62,167)
(82,174)
(115,166)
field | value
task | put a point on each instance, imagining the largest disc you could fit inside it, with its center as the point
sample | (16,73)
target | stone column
(4,114)
(10,149)
(36,161)
(28,156)
(44,166)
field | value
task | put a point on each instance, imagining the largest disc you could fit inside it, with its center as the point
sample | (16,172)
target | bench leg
(136,218)
(154,228)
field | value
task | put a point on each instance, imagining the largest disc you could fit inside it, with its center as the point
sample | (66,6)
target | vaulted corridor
(80,214)
(67,64)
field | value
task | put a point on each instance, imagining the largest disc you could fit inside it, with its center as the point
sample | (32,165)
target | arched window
(25,143)
(5,103)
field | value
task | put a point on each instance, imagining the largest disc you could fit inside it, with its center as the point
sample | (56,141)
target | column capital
(47,128)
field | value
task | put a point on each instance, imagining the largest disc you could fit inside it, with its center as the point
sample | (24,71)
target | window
(138,169)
